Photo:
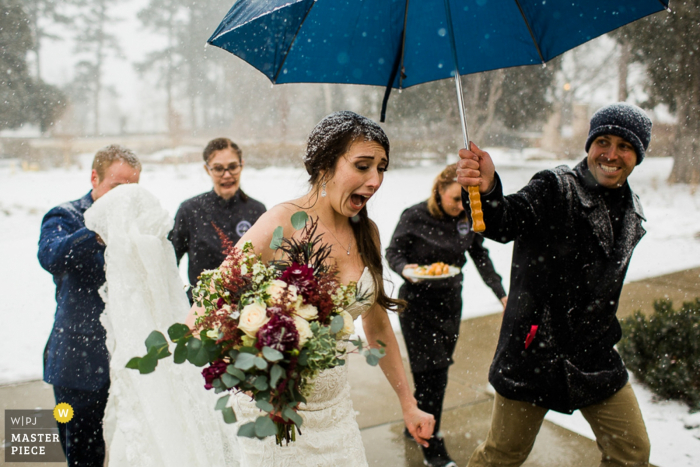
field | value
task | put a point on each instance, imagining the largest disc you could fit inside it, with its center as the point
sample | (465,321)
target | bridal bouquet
(267,329)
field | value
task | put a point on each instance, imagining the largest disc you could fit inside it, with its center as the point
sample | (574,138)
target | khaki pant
(617,424)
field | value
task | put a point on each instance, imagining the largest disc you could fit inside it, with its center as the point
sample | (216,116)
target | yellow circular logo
(63,412)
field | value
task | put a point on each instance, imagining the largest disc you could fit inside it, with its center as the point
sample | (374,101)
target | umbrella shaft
(462,113)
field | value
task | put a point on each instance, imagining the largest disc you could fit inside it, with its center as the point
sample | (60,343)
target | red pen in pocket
(530,336)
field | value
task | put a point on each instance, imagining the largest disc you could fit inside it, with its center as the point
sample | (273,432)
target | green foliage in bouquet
(266,330)
(663,351)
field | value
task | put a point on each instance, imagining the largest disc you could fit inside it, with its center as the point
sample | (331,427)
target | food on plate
(435,269)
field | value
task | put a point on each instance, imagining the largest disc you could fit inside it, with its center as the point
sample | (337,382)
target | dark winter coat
(569,261)
(76,355)
(193,232)
(430,323)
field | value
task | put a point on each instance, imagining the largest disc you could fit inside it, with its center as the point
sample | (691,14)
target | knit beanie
(627,121)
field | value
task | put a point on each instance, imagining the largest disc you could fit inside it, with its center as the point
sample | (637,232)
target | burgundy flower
(213,371)
(301,276)
(280,333)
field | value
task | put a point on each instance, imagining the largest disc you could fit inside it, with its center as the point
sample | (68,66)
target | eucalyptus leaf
(272,355)
(372,360)
(133,364)
(303,357)
(299,220)
(245,361)
(180,354)
(156,340)
(260,383)
(247,430)
(221,403)
(277,236)
(265,405)
(229,415)
(260,363)
(293,416)
(251,350)
(381,343)
(218,384)
(229,380)
(232,370)
(177,331)
(264,427)
(379,353)
(196,353)
(148,363)
(275,374)
(337,324)
(233,353)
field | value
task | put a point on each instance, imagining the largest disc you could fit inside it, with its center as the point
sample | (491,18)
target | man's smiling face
(611,160)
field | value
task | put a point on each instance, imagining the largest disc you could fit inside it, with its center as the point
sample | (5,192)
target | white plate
(412,274)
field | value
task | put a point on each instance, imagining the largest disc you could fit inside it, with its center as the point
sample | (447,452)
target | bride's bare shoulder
(280,215)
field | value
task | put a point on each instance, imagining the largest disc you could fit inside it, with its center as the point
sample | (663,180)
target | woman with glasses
(436,230)
(225,206)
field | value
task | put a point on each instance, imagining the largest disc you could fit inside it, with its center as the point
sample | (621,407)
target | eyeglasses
(219,170)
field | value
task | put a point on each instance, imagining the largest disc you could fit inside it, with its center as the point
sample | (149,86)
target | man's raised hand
(475,168)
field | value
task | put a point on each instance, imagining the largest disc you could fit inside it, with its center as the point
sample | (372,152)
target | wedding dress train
(167,418)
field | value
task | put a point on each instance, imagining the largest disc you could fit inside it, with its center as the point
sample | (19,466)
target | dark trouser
(430,394)
(82,438)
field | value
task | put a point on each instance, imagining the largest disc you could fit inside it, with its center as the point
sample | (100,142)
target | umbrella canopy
(363,41)
(401,43)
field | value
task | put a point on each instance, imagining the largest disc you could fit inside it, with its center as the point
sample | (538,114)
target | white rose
(278,288)
(213,334)
(348,324)
(303,329)
(308,312)
(252,317)
(275,289)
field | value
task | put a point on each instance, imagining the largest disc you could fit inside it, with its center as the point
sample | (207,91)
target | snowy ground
(673,220)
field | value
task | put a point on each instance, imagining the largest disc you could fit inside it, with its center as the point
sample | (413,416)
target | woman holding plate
(436,230)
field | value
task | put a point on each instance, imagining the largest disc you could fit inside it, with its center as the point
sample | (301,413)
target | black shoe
(439,462)
(436,454)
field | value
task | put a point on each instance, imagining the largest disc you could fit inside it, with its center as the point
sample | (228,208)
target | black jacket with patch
(194,234)
(430,323)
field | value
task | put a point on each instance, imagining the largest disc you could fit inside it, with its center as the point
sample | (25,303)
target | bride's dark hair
(329,141)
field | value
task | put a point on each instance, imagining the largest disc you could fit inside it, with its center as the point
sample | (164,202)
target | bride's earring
(323,190)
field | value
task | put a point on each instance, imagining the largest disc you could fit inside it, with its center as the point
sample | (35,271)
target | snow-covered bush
(663,350)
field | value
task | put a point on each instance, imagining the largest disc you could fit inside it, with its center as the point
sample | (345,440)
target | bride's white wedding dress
(167,418)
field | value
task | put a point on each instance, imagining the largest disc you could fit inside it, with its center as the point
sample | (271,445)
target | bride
(346,158)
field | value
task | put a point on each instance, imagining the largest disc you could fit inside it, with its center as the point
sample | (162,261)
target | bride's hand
(420,424)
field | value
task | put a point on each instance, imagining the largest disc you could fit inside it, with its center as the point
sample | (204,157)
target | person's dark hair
(447,177)
(218,144)
(329,141)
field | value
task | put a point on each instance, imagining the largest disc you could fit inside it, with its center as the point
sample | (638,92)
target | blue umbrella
(401,43)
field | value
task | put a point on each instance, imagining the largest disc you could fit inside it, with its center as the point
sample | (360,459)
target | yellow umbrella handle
(475,205)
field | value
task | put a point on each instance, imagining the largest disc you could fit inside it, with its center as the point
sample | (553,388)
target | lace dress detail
(330,434)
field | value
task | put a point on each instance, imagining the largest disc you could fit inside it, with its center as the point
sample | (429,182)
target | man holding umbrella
(574,232)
